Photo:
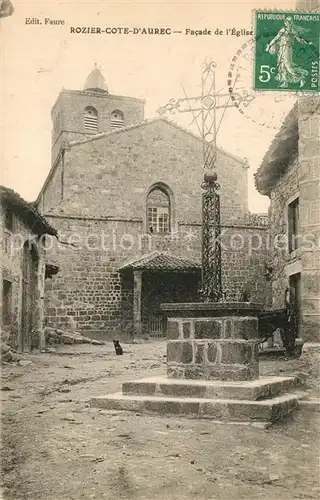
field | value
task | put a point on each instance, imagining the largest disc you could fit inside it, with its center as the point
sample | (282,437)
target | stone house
(125,194)
(289,175)
(23,271)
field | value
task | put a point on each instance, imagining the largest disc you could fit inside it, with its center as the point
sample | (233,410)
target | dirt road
(55,447)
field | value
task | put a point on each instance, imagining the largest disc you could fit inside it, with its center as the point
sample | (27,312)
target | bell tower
(80,114)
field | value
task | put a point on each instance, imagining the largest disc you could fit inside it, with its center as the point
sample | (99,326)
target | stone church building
(125,196)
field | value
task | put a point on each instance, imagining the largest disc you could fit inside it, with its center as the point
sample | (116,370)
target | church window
(158,211)
(91,120)
(117,119)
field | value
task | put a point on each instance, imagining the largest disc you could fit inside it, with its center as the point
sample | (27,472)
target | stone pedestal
(212,370)
(212,341)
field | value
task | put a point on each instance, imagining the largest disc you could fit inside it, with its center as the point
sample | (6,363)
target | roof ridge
(114,132)
(147,259)
(147,121)
(128,128)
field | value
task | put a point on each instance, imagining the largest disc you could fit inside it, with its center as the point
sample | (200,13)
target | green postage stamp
(287,51)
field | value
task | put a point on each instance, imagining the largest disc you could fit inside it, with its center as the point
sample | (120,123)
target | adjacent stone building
(289,175)
(23,271)
(125,194)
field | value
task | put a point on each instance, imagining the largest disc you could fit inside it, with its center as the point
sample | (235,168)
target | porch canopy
(154,263)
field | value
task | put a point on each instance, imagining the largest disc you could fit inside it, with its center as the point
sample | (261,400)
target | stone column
(137,290)
(309,214)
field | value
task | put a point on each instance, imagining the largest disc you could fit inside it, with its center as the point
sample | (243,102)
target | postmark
(286,52)
(262,108)
(266,109)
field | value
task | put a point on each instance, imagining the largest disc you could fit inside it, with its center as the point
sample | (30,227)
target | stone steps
(228,410)
(311,404)
(253,390)
(266,399)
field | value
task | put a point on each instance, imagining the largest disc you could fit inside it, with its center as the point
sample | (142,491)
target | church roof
(161,261)
(95,81)
(283,149)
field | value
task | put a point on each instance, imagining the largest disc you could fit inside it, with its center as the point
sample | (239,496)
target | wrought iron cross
(204,109)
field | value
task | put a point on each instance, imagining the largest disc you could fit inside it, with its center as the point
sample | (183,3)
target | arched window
(91,120)
(117,119)
(158,211)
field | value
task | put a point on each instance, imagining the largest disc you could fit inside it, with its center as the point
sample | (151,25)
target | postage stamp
(261,107)
(286,55)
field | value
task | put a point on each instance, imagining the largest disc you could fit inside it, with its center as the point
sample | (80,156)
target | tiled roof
(160,261)
(283,149)
(26,212)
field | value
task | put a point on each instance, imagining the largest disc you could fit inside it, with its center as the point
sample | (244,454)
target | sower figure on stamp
(282,44)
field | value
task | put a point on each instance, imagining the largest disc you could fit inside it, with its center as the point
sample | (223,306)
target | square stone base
(208,359)
(266,400)
(221,347)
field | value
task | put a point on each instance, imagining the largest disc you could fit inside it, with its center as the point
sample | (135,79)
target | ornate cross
(204,109)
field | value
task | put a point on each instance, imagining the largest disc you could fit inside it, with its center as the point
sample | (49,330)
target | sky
(39,60)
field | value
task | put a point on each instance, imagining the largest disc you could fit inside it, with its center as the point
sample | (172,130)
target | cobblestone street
(56,447)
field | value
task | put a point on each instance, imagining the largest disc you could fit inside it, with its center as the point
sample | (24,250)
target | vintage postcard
(160,249)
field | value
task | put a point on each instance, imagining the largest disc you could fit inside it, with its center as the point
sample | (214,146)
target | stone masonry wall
(130,162)
(89,293)
(68,114)
(54,191)
(221,347)
(11,265)
(285,191)
(309,214)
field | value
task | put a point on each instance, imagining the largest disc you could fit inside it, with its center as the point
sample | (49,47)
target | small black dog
(118,348)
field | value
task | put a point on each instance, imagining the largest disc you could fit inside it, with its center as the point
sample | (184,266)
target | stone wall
(11,266)
(284,192)
(309,213)
(54,190)
(68,114)
(89,293)
(219,347)
(111,176)
(99,194)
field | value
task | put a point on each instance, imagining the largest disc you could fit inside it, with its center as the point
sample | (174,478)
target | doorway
(295,298)
(29,291)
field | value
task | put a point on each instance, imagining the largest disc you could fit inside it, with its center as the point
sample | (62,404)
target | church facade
(125,196)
